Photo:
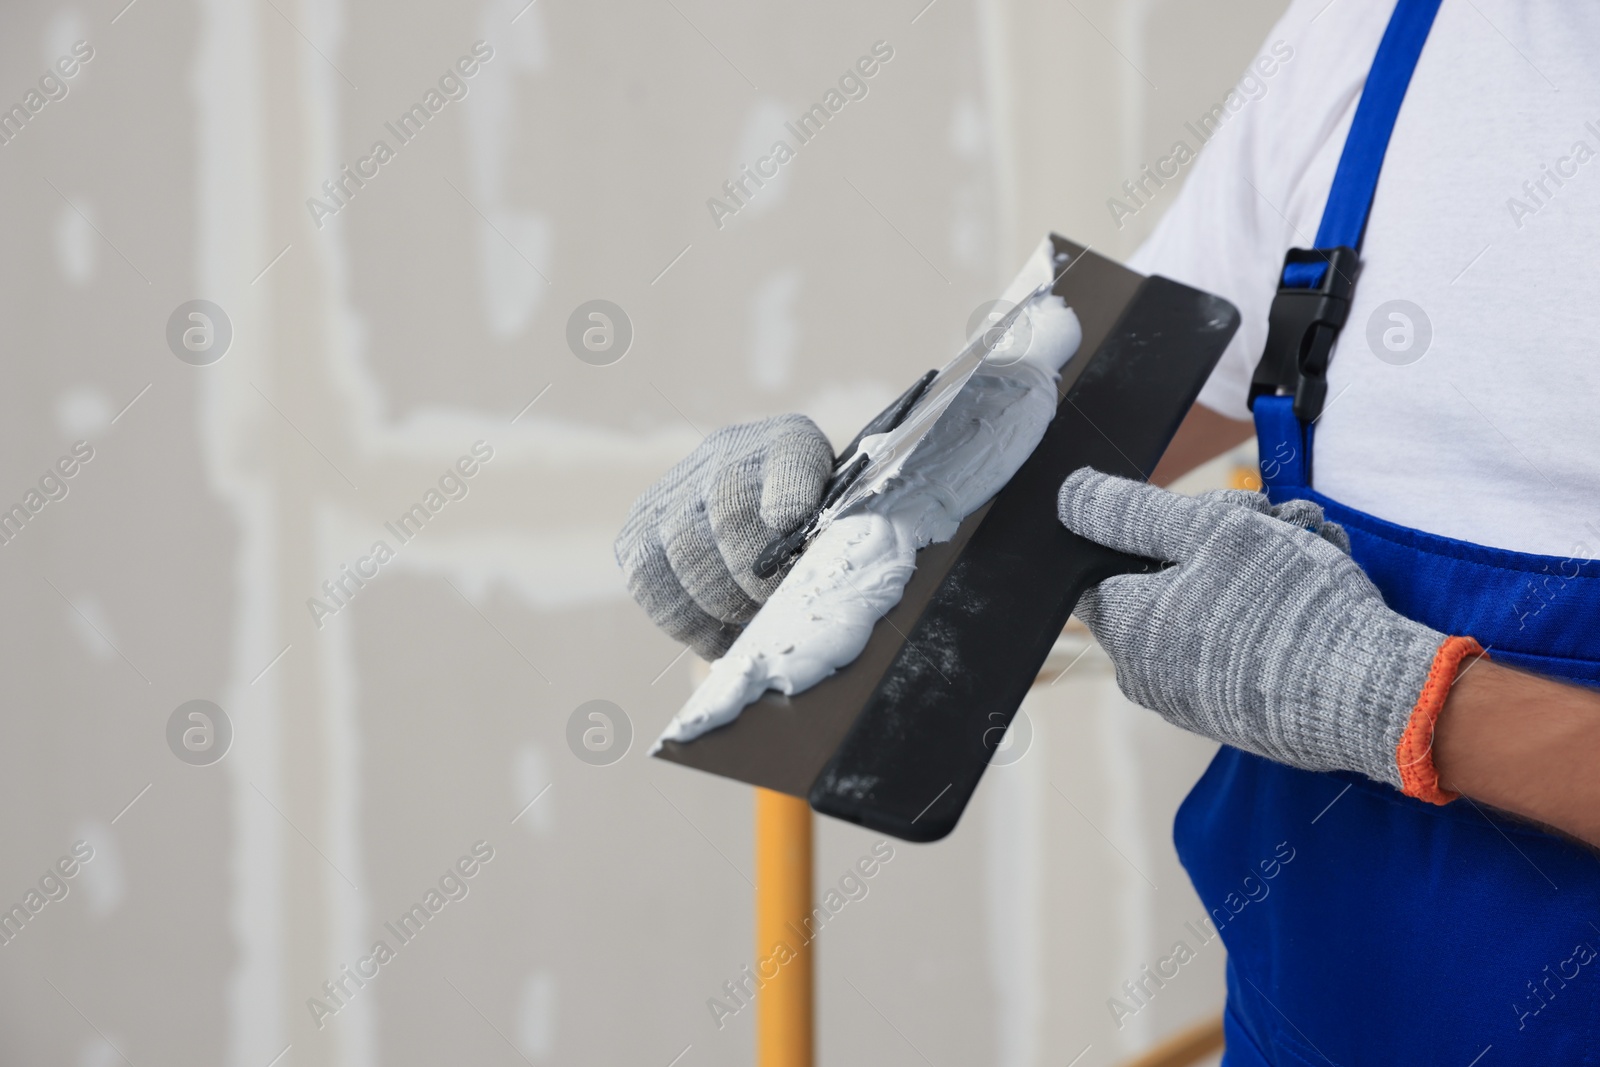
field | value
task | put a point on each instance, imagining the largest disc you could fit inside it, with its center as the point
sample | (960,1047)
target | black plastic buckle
(1302,326)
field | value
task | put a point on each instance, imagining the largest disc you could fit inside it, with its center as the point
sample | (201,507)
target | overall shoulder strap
(1314,289)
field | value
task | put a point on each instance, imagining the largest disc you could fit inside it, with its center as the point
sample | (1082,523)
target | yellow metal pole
(784,1007)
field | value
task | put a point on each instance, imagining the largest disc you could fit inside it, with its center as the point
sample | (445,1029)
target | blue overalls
(1397,931)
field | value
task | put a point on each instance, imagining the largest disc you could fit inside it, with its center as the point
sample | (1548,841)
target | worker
(1397,643)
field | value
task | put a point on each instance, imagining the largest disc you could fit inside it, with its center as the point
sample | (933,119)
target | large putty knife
(897,740)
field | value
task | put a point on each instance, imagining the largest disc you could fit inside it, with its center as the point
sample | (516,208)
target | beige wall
(371,352)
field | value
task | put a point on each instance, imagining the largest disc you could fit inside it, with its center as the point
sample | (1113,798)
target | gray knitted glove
(1265,635)
(690,540)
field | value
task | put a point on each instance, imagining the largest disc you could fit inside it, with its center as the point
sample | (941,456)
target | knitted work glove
(1264,634)
(689,542)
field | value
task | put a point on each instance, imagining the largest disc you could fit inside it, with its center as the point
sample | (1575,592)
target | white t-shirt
(1491,436)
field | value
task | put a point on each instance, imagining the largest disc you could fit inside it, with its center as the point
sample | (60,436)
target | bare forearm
(1525,744)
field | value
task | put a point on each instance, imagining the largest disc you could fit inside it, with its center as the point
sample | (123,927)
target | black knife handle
(779,549)
(893,415)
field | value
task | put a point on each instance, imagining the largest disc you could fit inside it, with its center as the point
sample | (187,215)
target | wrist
(1524,744)
(1415,754)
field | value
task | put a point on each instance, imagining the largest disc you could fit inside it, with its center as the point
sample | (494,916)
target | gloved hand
(1264,634)
(689,542)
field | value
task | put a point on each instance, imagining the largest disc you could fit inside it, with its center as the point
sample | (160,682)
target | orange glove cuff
(1414,754)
